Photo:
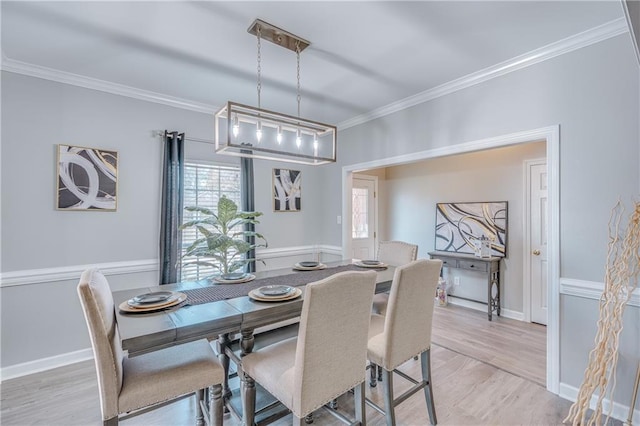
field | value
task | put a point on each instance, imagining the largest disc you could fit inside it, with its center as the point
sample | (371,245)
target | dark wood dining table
(219,319)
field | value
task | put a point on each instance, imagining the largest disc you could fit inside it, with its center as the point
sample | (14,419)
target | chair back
(332,340)
(99,312)
(407,326)
(397,253)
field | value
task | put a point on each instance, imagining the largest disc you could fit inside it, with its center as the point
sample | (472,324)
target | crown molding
(24,68)
(569,44)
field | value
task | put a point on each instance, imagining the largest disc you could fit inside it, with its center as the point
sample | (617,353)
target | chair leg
(425,358)
(298,421)
(379,373)
(358,399)
(389,410)
(248,389)
(113,421)
(308,419)
(199,398)
(216,406)
(372,372)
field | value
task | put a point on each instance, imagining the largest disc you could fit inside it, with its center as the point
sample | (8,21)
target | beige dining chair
(326,359)
(394,253)
(404,332)
(139,384)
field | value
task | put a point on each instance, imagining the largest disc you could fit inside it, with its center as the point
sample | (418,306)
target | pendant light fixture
(248,131)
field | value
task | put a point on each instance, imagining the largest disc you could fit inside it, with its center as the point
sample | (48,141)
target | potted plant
(222,245)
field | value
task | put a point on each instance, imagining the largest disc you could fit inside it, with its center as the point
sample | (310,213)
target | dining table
(218,311)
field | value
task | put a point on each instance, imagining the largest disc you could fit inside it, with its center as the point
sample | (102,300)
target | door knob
(536,252)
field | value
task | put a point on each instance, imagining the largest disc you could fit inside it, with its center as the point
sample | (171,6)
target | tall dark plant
(222,245)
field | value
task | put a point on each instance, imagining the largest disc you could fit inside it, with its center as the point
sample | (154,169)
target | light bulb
(315,141)
(259,132)
(279,135)
(236,126)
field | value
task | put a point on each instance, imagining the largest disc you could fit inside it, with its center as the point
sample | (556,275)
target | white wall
(495,175)
(42,318)
(593,94)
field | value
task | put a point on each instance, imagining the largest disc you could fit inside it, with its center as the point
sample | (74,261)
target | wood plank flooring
(473,385)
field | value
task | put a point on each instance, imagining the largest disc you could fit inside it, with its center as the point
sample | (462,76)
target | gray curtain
(172,207)
(247,201)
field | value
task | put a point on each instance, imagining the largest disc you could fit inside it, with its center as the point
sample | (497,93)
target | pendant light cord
(259,67)
(298,75)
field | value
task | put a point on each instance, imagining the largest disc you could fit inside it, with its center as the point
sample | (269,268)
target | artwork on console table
(460,225)
(287,190)
(87,179)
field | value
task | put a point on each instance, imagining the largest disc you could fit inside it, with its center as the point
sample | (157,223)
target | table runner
(220,291)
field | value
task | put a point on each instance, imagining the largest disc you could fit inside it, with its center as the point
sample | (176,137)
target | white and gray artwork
(460,225)
(87,179)
(287,190)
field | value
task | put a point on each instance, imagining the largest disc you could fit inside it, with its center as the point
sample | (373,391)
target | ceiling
(363,55)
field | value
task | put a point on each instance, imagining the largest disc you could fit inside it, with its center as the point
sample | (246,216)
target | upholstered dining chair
(139,384)
(394,253)
(326,359)
(404,332)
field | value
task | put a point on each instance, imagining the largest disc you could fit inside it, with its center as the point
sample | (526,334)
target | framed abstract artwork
(87,179)
(287,190)
(460,225)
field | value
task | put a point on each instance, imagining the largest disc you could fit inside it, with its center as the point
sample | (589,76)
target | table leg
(489,298)
(246,341)
(221,347)
(493,296)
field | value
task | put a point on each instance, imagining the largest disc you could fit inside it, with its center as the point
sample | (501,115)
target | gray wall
(495,175)
(593,94)
(44,319)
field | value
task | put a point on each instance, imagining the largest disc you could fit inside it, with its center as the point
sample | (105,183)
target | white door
(538,241)
(363,220)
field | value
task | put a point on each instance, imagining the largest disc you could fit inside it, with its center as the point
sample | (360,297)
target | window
(360,215)
(204,184)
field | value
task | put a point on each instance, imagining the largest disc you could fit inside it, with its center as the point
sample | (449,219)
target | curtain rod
(187,138)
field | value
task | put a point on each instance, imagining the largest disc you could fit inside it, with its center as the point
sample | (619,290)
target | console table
(490,266)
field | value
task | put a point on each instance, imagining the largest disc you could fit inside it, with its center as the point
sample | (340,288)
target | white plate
(298,267)
(179,298)
(255,295)
(246,279)
(275,290)
(377,266)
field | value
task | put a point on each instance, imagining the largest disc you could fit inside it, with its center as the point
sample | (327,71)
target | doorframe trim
(526,259)
(550,135)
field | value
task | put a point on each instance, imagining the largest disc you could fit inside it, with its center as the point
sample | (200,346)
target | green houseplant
(222,245)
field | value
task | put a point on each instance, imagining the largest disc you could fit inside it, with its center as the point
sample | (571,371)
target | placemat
(219,291)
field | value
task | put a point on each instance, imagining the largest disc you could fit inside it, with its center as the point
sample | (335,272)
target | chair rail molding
(72,272)
(64,273)
(591,290)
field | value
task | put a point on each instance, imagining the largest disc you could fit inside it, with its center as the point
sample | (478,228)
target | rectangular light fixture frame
(318,140)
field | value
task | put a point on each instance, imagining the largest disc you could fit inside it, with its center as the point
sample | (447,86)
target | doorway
(364,216)
(549,135)
(535,263)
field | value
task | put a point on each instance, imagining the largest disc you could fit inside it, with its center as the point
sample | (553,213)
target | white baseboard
(619,412)
(43,364)
(507,313)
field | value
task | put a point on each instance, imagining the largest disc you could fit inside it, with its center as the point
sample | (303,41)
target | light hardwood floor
(483,373)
